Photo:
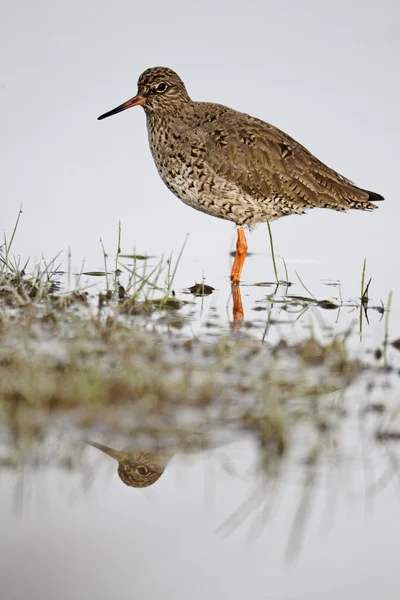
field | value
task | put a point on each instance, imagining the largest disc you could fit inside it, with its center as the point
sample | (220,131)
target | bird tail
(373,196)
(366,203)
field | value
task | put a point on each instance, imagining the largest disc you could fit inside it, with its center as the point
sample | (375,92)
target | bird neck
(179,113)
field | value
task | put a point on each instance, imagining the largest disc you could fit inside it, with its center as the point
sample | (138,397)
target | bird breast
(178,150)
(180,171)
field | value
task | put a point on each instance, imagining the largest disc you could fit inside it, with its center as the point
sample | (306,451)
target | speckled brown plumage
(231,165)
(136,468)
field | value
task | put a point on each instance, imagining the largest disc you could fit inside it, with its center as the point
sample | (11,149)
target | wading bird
(231,165)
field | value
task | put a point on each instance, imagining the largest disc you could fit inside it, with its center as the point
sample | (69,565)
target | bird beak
(136,101)
(117,454)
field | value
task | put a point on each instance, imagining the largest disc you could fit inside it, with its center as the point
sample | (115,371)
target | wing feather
(267,164)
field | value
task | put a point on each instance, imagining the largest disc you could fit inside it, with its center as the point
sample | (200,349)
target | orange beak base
(136,101)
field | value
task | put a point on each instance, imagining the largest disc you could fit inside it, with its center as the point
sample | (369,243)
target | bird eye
(161,87)
(142,470)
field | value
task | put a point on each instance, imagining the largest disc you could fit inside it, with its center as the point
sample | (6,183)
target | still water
(69,535)
(231,509)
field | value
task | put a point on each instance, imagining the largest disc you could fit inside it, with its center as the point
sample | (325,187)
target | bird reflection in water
(238,313)
(201,290)
(137,468)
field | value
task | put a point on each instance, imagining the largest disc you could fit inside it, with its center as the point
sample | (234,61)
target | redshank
(231,165)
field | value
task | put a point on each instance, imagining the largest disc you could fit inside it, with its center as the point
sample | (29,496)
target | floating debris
(201,289)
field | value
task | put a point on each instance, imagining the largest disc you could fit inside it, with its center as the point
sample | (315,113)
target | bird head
(159,89)
(139,471)
(136,468)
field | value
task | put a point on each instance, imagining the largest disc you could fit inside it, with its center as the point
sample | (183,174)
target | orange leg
(238,314)
(241,251)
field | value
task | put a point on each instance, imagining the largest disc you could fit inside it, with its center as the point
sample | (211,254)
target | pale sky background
(325,72)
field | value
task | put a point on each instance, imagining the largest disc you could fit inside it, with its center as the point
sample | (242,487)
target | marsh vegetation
(111,356)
